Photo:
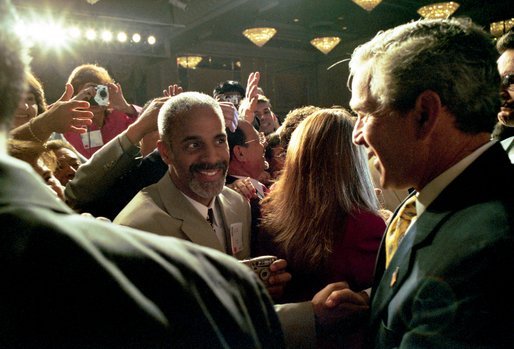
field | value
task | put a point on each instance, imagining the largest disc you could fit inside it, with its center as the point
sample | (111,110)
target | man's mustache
(204,166)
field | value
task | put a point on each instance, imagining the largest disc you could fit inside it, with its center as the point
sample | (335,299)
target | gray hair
(173,111)
(454,58)
(13,65)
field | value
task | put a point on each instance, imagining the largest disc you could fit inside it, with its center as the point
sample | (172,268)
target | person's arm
(62,116)
(302,322)
(113,160)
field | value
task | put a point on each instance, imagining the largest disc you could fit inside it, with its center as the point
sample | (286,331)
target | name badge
(92,139)
(236,237)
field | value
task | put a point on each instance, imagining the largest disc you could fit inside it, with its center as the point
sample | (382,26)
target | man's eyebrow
(190,138)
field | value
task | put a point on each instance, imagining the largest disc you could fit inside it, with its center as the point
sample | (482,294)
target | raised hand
(248,104)
(147,121)
(172,90)
(230,115)
(117,101)
(62,116)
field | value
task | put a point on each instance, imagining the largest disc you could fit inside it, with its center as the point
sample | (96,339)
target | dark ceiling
(215,26)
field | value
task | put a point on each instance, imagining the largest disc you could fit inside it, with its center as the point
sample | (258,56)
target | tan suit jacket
(162,209)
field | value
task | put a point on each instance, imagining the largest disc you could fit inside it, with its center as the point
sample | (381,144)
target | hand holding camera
(261,266)
(95,95)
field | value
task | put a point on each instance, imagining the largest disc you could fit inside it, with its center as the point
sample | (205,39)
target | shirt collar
(432,190)
(201,207)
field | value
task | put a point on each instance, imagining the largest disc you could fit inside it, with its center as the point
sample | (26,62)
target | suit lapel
(194,226)
(492,167)
(419,235)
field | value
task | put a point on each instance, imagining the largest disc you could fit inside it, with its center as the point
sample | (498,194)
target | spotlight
(106,36)
(90,34)
(122,37)
(74,33)
(50,34)
(151,40)
(136,37)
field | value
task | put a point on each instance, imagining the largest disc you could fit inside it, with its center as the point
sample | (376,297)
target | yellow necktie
(398,227)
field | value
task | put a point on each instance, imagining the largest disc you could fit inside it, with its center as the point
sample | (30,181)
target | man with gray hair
(426,96)
(190,202)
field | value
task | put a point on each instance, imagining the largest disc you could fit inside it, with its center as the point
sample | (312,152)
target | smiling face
(67,165)
(263,113)
(198,157)
(27,109)
(253,150)
(387,135)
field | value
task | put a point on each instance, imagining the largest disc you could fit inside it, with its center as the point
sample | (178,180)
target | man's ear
(239,153)
(427,110)
(165,152)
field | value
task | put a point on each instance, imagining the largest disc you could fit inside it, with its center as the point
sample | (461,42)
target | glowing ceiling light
(368,5)
(122,37)
(74,32)
(259,36)
(90,34)
(326,44)
(151,40)
(189,61)
(136,37)
(106,36)
(440,10)
(497,29)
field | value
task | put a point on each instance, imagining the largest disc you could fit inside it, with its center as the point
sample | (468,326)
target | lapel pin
(394,277)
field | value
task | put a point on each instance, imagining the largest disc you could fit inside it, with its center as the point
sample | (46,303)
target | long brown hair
(325,178)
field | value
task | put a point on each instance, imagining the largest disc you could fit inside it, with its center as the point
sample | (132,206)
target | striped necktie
(398,227)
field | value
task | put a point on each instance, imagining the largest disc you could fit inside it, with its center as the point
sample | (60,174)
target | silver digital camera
(101,97)
(260,266)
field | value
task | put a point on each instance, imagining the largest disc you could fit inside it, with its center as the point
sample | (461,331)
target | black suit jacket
(450,284)
(70,281)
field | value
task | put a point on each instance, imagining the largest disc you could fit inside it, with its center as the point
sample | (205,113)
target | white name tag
(92,139)
(236,237)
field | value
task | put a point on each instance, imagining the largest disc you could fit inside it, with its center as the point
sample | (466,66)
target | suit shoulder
(232,195)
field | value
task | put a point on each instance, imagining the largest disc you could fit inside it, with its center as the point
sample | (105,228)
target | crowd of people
(136,239)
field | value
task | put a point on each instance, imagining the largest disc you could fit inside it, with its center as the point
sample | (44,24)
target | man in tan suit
(190,202)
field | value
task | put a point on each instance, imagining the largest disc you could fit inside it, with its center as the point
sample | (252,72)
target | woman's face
(27,109)
(49,178)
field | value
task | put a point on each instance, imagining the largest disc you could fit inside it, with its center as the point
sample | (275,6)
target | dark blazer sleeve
(73,282)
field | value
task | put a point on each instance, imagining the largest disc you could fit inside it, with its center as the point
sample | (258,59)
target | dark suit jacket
(450,284)
(74,282)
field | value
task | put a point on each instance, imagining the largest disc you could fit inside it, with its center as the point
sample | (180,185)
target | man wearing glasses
(247,161)
(506,68)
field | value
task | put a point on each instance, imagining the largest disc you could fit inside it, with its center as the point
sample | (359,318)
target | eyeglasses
(508,82)
(261,139)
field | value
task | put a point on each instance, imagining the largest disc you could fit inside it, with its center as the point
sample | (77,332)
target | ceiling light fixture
(259,36)
(136,37)
(368,5)
(497,29)
(440,10)
(189,62)
(326,44)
